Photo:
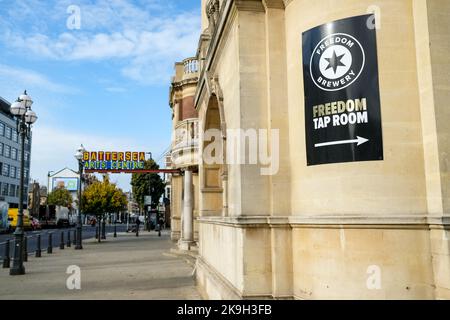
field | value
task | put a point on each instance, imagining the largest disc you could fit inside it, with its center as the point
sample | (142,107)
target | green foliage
(89,179)
(60,197)
(145,184)
(103,197)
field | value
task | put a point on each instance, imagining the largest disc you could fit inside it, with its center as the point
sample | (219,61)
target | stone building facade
(184,154)
(357,230)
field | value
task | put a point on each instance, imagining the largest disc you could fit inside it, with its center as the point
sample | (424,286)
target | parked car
(35,224)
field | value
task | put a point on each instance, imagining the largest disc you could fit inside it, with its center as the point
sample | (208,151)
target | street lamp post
(79,157)
(115,225)
(49,174)
(147,215)
(25,117)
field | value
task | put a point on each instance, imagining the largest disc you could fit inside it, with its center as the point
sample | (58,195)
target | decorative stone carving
(215,88)
(212,12)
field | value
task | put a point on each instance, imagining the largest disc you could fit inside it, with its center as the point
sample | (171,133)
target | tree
(119,201)
(147,184)
(89,179)
(60,197)
(103,197)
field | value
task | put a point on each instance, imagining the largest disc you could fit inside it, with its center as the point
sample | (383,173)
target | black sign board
(342,99)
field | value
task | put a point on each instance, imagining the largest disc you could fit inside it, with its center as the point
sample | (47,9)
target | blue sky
(105,84)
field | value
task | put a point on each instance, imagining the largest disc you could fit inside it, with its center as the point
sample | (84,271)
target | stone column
(187,232)
(225,193)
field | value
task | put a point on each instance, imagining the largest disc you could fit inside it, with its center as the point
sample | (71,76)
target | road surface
(88,233)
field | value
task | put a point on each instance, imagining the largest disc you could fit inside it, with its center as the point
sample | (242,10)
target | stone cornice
(204,37)
(249,5)
(274,4)
(363,222)
(177,86)
(182,83)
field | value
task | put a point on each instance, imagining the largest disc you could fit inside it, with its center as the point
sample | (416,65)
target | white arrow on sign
(359,141)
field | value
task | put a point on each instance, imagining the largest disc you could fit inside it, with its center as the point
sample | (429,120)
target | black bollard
(50,244)
(69,243)
(74,237)
(97,233)
(115,231)
(25,248)
(6,258)
(61,243)
(137,230)
(38,247)
(104,229)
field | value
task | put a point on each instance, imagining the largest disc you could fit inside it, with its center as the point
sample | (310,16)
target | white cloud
(31,79)
(146,44)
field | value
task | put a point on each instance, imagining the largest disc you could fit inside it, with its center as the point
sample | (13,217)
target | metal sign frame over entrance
(133,171)
(120,156)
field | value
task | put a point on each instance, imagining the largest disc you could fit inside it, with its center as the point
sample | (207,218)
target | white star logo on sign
(335,62)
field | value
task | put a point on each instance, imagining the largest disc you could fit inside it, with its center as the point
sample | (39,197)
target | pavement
(126,268)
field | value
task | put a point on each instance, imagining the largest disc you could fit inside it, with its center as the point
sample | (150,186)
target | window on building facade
(13,172)
(1,149)
(26,174)
(17,191)
(2,129)
(7,151)
(12,190)
(27,156)
(8,133)
(5,170)
(27,144)
(5,189)
(14,153)
(15,136)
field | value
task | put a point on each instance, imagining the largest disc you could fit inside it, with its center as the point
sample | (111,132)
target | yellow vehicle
(12,218)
